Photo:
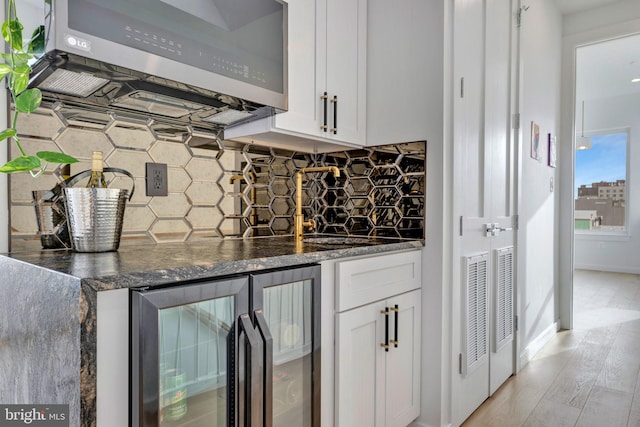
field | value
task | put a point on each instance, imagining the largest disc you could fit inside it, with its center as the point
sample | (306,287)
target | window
(601,182)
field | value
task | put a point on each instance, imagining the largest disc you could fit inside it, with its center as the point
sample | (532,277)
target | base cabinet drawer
(365,280)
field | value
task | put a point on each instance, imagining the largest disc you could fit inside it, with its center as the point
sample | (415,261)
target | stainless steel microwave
(210,48)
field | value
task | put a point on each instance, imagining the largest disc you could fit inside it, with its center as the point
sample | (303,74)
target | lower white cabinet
(377,350)
(379,386)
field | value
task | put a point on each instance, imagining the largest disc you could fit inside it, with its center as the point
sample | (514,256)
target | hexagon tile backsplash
(226,189)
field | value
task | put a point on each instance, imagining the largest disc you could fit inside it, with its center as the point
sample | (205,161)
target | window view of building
(601,193)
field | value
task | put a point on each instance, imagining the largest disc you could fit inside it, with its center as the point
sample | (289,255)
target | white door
(484,201)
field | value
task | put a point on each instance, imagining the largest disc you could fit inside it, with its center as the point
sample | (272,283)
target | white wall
(434,390)
(541,36)
(610,252)
(613,20)
(4,182)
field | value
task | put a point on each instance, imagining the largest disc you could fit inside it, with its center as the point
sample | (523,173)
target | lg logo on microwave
(77,43)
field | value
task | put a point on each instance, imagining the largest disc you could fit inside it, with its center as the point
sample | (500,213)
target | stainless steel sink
(336,240)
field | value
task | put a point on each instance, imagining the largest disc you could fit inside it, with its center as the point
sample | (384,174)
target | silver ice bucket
(52,219)
(95,218)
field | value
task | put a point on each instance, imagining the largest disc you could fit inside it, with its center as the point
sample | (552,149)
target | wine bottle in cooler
(97,179)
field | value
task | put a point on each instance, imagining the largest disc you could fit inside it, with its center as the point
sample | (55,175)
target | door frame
(567,151)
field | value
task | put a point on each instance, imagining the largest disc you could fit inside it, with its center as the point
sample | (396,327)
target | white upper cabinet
(327,54)
(346,62)
(400,37)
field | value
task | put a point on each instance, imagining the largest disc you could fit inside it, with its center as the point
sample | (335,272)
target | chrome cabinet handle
(395,309)
(385,345)
(267,373)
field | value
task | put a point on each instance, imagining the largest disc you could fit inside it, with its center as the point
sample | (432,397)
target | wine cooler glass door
(187,342)
(288,301)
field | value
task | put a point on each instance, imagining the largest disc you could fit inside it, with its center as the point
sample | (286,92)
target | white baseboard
(608,268)
(418,424)
(537,343)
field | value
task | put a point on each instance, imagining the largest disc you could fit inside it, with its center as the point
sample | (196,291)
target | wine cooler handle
(267,354)
(394,341)
(252,370)
(385,345)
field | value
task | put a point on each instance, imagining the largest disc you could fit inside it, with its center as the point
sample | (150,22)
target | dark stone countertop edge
(230,268)
(165,264)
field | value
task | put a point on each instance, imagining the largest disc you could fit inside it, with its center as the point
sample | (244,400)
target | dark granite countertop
(154,265)
(58,341)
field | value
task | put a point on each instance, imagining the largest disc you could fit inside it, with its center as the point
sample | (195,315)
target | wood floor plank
(552,414)
(563,341)
(573,384)
(605,407)
(620,370)
(512,410)
(634,413)
(587,376)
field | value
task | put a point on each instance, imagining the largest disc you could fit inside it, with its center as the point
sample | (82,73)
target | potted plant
(17,69)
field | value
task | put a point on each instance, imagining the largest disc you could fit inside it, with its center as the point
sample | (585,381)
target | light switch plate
(156,177)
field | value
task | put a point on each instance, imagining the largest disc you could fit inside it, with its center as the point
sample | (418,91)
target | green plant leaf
(19,79)
(36,45)
(29,100)
(7,133)
(19,59)
(12,34)
(4,70)
(55,157)
(21,164)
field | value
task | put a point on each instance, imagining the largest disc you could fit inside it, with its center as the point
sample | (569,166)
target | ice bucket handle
(73,180)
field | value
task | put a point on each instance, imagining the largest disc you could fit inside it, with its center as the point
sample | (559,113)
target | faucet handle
(310,224)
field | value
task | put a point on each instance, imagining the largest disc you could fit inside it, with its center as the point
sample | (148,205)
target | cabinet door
(403,360)
(327,53)
(346,48)
(306,68)
(400,49)
(360,367)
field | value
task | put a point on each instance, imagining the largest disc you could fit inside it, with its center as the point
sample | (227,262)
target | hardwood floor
(589,376)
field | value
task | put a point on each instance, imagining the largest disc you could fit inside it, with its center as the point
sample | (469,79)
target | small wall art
(535,141)
(551,145)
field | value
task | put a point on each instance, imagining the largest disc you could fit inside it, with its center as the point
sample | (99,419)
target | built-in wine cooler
(243,351)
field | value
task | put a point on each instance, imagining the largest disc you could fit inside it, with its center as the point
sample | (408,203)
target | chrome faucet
(300,224)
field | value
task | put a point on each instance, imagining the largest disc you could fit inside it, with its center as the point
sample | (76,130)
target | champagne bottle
(97,179)
(65,171)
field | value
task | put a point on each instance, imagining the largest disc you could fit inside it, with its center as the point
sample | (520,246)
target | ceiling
(604,69)
(572,6)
